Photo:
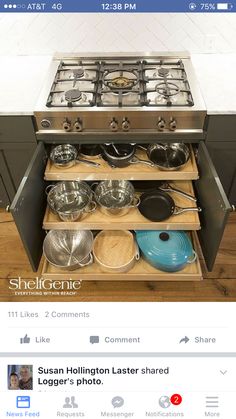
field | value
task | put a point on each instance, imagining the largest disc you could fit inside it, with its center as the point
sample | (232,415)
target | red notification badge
(176,399)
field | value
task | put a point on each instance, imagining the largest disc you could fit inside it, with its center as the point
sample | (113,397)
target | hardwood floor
(219,285)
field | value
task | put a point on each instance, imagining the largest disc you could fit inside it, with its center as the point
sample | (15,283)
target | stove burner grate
(167,89)
(78,73)
(73,95)
(163,72)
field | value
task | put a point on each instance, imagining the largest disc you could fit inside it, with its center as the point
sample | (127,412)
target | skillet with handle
(158,206)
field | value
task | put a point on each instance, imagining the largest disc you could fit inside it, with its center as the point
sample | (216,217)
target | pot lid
(165,247)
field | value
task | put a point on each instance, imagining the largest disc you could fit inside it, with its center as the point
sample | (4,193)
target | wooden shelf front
(142,271)
(133,220)
(132,172)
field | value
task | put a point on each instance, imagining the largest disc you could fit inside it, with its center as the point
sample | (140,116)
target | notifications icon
(94,339)
(117,401)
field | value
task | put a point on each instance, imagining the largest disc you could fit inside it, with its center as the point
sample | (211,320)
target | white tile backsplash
(35,34)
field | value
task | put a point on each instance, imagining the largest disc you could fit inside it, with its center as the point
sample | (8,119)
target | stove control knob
(161,124)
(45,123)
(113,125)
(78,125)
(125,124)
(66,125)
(173,124)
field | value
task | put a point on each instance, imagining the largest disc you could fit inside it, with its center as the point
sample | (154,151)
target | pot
(168,156)
(116,197)
(115,251)
(169,251)
(66,155)
(93,151)
(68,249)
(71,200)
(122,155)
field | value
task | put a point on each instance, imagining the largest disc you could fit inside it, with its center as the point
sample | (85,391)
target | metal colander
(68,249)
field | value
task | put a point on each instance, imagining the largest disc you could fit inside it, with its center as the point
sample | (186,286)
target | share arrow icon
(185,340)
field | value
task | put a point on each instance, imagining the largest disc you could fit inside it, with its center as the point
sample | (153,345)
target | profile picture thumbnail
(20,377)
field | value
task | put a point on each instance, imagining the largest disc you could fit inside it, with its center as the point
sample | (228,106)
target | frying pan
(165,156)
(153,185)
(158,206)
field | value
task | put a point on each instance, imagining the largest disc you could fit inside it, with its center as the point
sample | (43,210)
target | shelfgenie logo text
(41,286)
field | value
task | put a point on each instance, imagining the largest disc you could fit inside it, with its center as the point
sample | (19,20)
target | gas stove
(119,95)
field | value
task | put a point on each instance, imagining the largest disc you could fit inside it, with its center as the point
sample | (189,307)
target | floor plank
(219,285)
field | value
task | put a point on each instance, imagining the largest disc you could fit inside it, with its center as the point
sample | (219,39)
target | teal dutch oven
(168,251)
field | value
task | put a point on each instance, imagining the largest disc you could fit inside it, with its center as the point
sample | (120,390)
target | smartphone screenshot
(117,209)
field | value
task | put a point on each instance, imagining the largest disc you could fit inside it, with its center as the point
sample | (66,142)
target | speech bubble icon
(94,339)
(117,401)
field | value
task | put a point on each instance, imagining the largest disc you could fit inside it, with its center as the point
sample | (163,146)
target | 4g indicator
(119,7)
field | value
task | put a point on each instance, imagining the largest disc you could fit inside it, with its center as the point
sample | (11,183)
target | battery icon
(223,6)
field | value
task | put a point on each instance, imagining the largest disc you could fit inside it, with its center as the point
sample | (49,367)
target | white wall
(25,34)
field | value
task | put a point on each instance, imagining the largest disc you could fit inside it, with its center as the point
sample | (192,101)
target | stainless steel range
(147,95)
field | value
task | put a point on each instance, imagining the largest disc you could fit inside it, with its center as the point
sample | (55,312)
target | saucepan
(122,155)
(159,206)
(169,251)
(66,155)
(70,200)
(115,197)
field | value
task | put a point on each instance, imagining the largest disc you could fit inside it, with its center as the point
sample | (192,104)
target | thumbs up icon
(25,339)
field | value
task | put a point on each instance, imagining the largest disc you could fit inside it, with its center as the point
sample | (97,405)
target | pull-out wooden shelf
(133,220)
(132,172)
(142,271)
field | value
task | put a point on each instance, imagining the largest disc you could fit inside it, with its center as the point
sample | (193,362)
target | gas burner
(73,95)
(78,73)
(167,89)
(121,83)
(163,72)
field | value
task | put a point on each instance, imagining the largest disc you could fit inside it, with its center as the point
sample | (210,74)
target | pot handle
(179,210)
(135,202)
(168,188)
(137,252)
(88,162)
(194,258)
(90,261)
(47,190)
(92,186)
(136,160)
(92,207)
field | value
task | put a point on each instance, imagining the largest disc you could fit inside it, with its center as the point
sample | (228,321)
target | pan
(153,185)
(159,206)
(168,156)
(122,155)
(66,155)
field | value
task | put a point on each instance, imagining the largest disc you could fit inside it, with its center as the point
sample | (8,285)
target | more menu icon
(212,402)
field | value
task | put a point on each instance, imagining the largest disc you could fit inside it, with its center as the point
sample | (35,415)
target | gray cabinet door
(223,155)
(29,206)
(17,157)
(215,206)
(6,177)
(4,198)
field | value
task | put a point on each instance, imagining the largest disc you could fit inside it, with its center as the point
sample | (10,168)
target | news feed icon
(23,402)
